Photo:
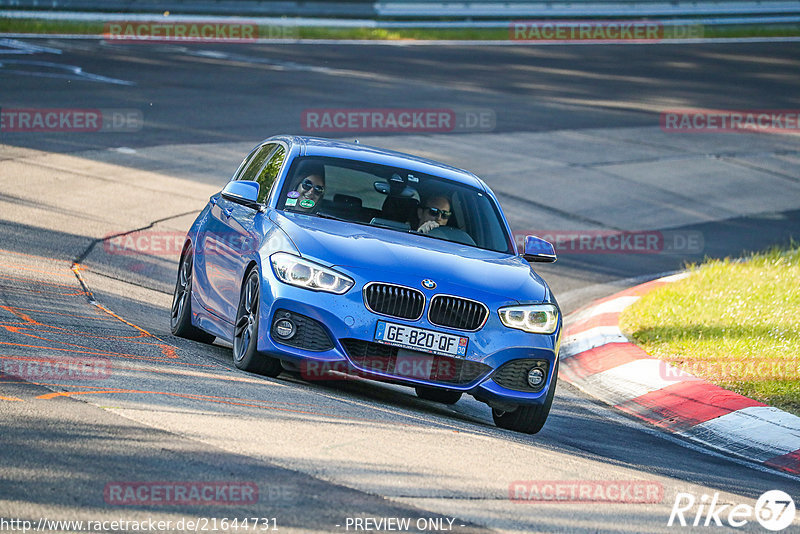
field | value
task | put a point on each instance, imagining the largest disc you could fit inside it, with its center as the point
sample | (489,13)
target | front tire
(245,334)
(180,321)
(527,419)
(445,396)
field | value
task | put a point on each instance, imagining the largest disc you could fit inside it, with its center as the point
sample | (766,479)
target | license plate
(411,337)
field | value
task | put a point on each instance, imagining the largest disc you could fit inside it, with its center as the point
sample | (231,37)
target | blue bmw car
(327,258)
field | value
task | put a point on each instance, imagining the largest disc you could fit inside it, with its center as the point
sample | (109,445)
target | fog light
(284,328)
(535,377)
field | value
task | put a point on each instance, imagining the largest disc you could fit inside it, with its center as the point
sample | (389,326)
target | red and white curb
(597,358)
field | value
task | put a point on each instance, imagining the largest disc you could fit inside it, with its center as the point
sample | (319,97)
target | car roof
(320,146)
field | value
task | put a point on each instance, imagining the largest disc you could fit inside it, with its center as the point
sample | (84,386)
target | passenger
(310,188)
(432,213)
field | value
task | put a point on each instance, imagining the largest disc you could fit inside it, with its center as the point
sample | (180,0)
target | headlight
(534,318)
(296,271)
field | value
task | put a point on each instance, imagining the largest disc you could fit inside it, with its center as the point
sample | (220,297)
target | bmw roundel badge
(428,283)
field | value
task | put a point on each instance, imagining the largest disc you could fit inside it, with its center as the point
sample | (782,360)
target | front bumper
(349,325)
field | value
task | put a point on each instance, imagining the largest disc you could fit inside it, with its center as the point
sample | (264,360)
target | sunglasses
(436,212)
(308,185)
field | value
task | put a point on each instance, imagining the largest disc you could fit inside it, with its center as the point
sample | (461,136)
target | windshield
(393,198)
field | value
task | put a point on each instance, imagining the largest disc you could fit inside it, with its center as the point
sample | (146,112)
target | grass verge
(733,323)
(74,27)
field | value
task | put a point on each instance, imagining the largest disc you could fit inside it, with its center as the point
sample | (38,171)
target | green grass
(736,324)
(50,26)
(436,34)
(752,30)
(9,25)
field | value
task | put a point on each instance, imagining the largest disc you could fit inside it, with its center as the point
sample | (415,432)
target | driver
(432,213)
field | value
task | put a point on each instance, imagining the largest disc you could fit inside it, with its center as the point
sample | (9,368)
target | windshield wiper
(329,216)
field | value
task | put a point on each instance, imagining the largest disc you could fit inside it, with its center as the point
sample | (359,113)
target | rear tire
(180,321)
(445,396)
(245,334)
(527,419)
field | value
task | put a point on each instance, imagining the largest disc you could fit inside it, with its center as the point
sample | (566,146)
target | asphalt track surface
(575,146)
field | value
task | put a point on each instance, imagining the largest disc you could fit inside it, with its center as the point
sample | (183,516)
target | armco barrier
(421,10)
(351,8)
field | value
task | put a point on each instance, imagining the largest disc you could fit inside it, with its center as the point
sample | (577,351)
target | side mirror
(538,250)
(242,192)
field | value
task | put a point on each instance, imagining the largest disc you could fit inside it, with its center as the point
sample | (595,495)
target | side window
(243,165)
(270,172)
(251,172)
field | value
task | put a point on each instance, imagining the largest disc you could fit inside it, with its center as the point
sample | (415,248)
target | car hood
(366,250)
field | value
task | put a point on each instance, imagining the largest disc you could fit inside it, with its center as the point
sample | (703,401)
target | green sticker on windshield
(306,203)
(291,202)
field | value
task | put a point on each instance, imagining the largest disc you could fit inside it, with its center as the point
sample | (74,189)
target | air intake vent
(455,312)
(382,359)
(394,301)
